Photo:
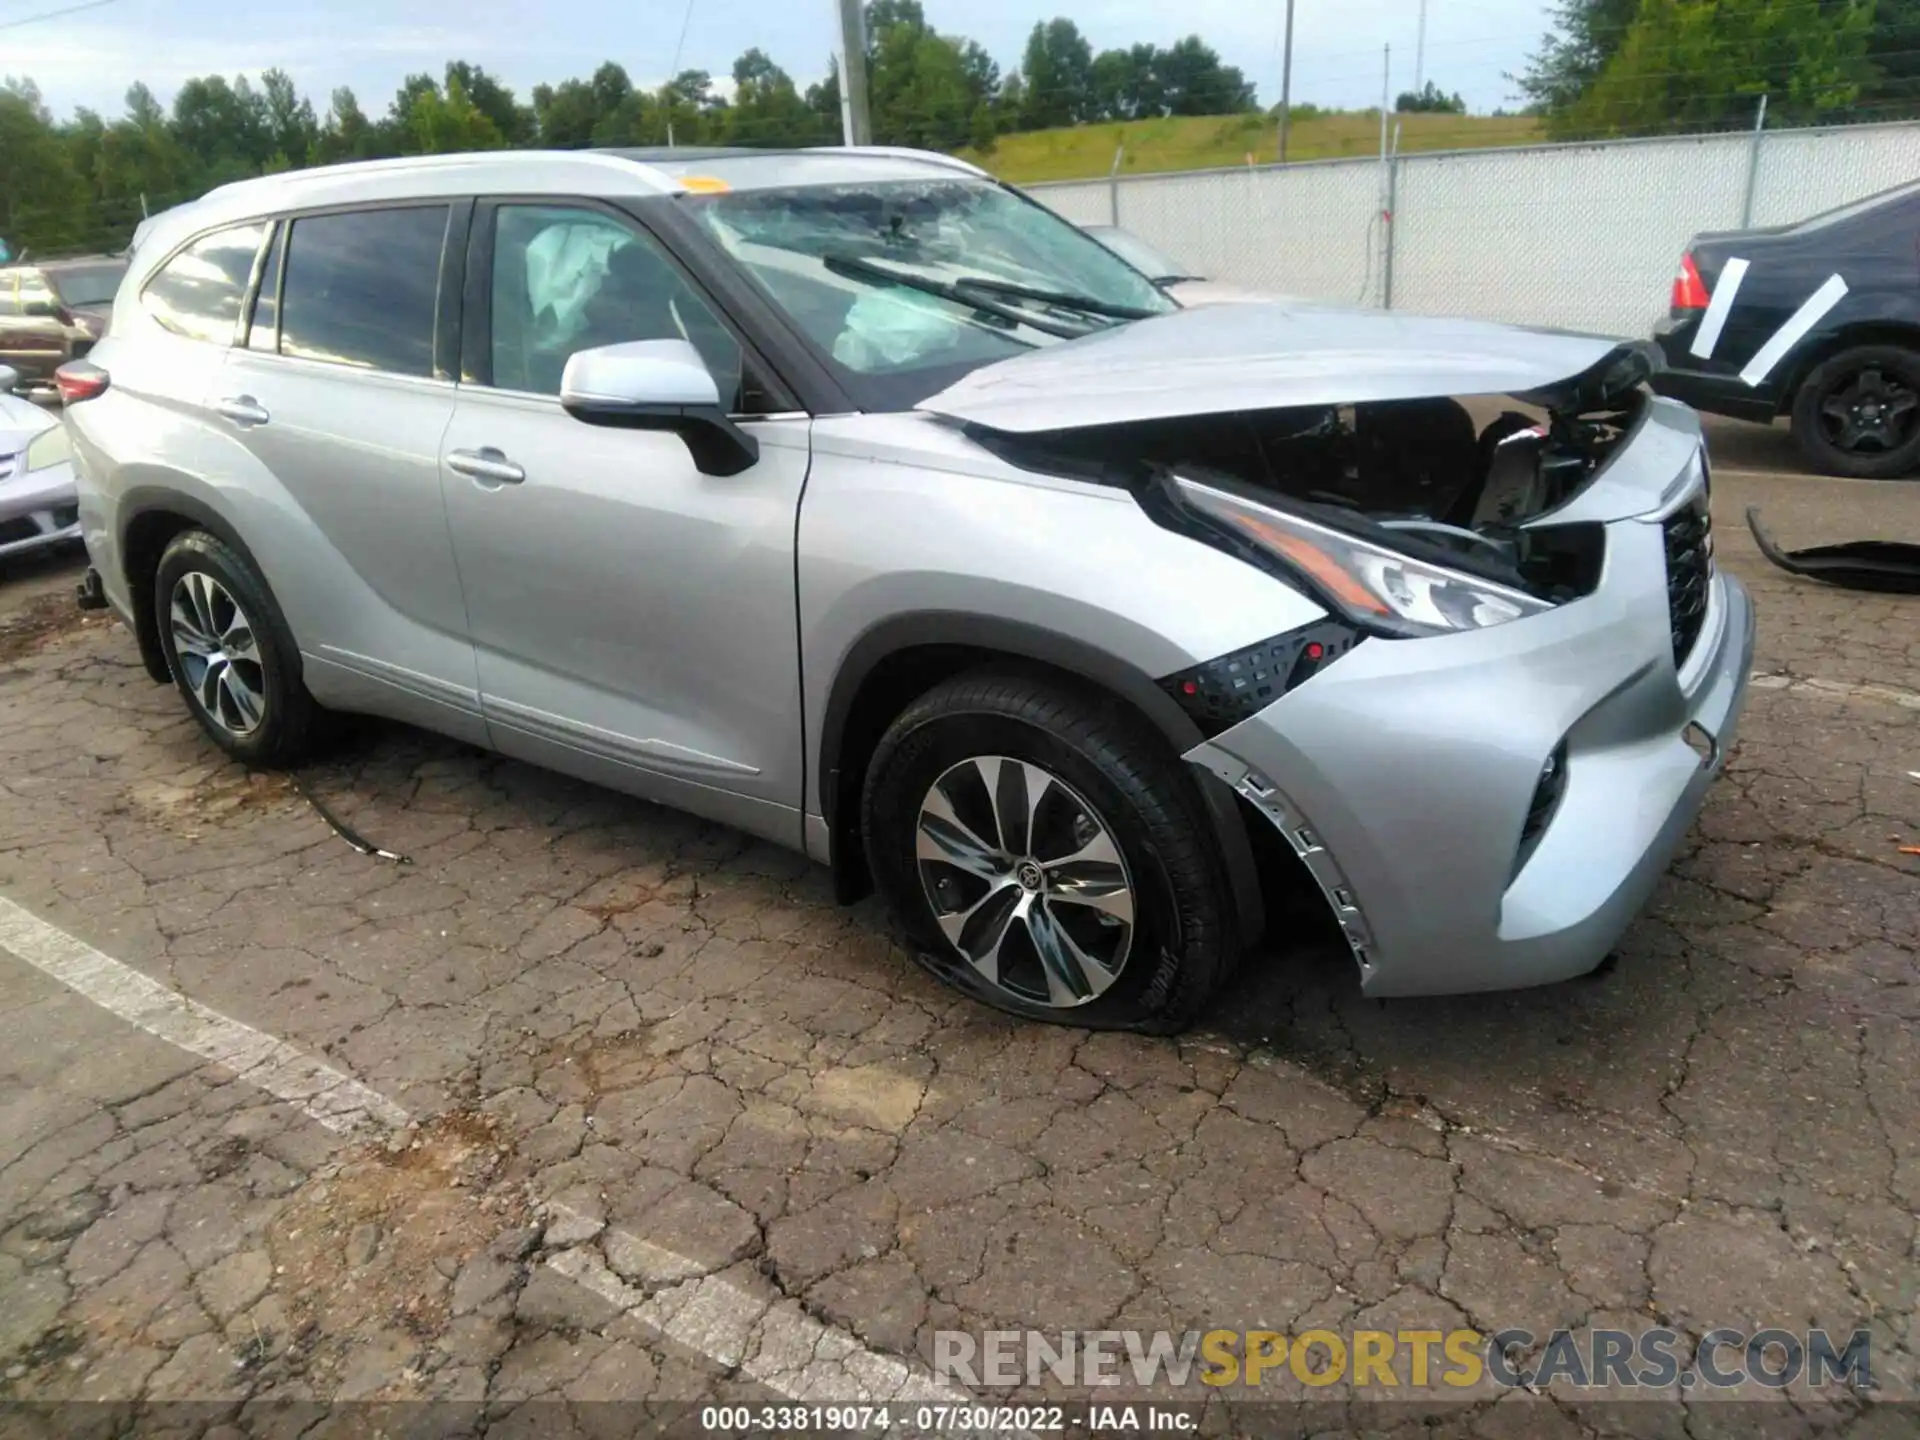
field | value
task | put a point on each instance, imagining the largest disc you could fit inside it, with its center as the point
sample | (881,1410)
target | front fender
(912,535)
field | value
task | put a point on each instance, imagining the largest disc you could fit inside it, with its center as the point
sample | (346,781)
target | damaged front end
(1532,668)
(1408,515)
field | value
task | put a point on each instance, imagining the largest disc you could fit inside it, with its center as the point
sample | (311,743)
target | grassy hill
(1209,141)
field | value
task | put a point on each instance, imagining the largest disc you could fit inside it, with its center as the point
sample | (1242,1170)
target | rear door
(340,395)
(634,620)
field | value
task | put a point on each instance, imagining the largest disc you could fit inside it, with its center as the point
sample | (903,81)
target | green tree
(445,122)
(767,108)
(1193,81)
(1893,88)
(823,101)
(1057,69)
(566,114)
(514,121)
(1126,84)
(348,134)
(1429,99)
(1704,64)
(1586,35)
(224,127)
(41,198)
(291,125)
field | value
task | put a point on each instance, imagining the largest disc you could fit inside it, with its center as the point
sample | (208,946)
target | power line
(53,14)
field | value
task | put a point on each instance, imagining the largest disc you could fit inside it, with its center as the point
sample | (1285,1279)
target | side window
(264,332)
(198,293)
(567,279)
(361,288)
(36,295)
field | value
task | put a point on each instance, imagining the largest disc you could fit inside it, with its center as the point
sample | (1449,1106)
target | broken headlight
(1373,584)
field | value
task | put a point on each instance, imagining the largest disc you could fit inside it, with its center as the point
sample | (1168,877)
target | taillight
(80,380)
(1689,293)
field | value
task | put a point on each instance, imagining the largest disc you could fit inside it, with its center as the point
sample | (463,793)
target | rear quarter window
(198,293)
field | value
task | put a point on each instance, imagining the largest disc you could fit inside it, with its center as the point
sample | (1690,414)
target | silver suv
(853,499)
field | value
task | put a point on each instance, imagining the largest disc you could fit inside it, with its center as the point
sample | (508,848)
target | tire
(1858,413)
(1111,789)
(231,654)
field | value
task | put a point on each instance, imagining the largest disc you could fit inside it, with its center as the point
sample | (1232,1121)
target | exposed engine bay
(1419,474)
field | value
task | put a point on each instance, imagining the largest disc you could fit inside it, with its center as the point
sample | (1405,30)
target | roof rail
(457,160)
(905,152)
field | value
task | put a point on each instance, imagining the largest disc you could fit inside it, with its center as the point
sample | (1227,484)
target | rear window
(87,284)
(1853,209)
(361,289)
(198,292)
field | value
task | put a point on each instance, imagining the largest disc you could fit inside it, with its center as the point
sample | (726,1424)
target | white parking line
(771,1341)
(325,1094)
(1834,689)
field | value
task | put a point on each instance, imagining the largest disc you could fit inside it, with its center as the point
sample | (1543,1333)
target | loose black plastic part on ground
(1885,566)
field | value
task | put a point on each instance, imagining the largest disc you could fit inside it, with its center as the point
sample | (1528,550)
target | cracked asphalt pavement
(664,1124)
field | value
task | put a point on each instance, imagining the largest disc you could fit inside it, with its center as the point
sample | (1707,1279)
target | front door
(634,620)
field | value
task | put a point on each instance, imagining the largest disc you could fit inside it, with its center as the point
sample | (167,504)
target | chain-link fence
(1582,236)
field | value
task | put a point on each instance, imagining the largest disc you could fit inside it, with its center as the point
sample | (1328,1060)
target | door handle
(242,410)
(487,464)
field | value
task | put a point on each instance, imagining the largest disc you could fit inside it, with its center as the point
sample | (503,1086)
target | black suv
(1820,321)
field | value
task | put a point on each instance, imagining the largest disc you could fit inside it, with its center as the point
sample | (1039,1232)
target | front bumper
(1403,774)
(38,508)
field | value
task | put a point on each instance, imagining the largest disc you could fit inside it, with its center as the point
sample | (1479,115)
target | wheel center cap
(1031,877)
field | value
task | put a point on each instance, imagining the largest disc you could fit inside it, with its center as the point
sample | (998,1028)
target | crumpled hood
(1216,359)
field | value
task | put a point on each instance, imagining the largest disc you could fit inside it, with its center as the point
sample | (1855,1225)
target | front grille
(1689,537)
(17,529)
(7,463)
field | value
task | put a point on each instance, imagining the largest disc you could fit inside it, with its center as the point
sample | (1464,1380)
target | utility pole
(1420,50)
(1286,84)
(855,127)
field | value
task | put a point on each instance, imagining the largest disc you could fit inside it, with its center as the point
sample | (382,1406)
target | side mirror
(9,379)
(657,385)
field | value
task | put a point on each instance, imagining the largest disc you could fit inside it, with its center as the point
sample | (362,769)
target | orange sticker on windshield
(704,184)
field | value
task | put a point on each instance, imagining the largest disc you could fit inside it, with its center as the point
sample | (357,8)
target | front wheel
(1858,413)
(230,652)
(1048,855)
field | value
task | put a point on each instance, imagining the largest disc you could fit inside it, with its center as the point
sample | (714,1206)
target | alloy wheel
(1026,880)
(219,656)
(1870,412)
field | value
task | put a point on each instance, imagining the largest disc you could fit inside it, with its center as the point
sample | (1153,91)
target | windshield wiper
(1086,304)
(860,268)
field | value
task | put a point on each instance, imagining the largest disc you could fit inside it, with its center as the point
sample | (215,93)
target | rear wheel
(1858,413)
(1047,855)
(231,655)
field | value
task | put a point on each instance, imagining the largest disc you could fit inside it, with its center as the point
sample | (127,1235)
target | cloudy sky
(90,58)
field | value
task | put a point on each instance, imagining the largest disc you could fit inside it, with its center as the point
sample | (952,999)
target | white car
(38,507)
